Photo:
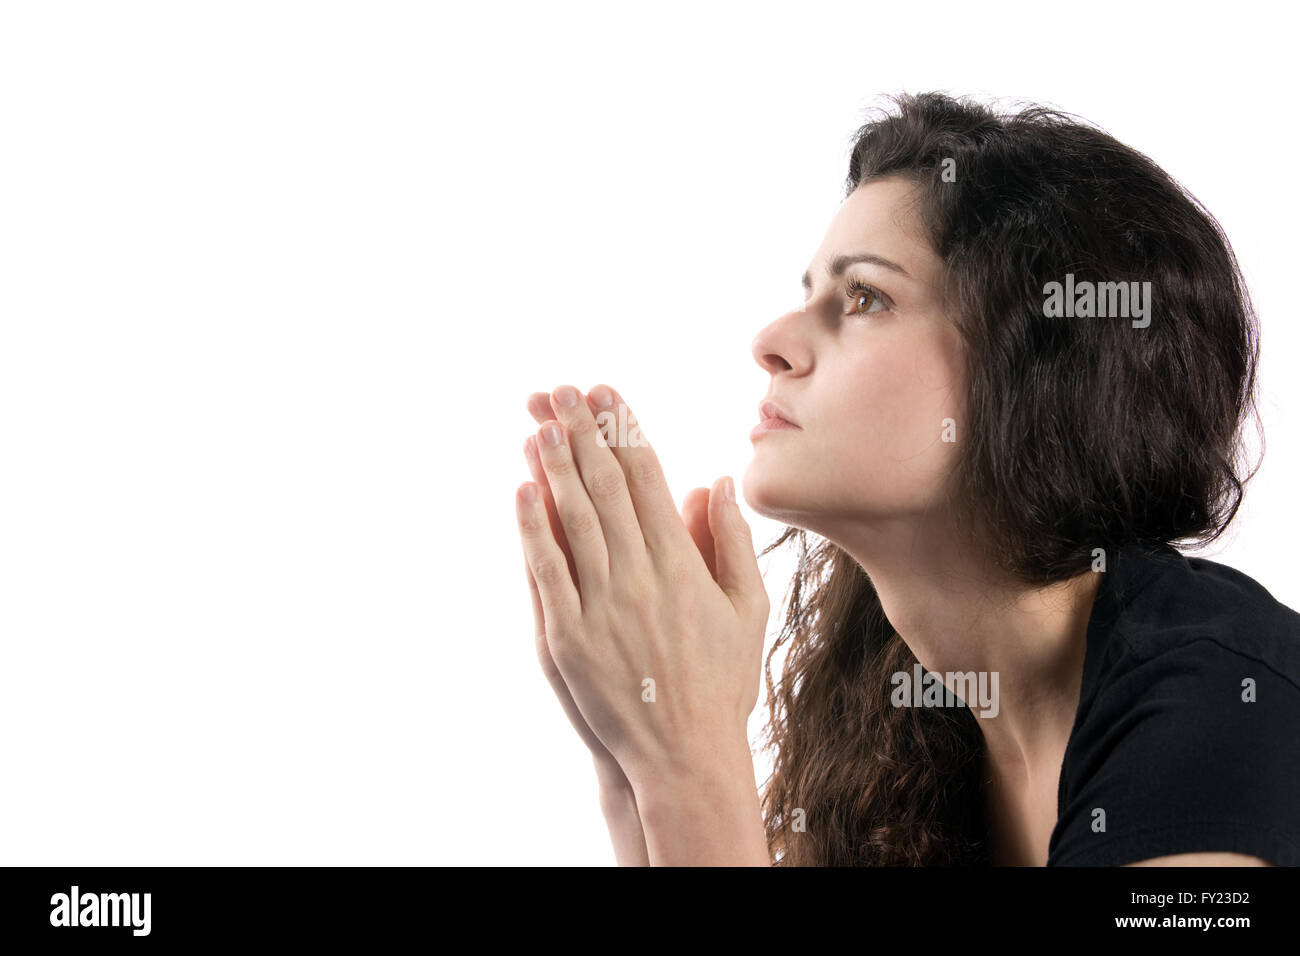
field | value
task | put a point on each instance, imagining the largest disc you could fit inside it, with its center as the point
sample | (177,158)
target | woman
(1019,374)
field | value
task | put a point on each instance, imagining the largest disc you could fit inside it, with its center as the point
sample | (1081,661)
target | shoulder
(1186,740)
(1169,599)
(1190,627)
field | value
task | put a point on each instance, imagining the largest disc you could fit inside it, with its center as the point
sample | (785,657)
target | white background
(276,280)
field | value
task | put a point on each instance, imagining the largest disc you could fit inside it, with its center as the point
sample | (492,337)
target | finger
(695,512)
(539,615)
(662,528)
(561,607)
(555,679)
(539,476)
(738,573)
(539,406)
(602,476)
(577,514)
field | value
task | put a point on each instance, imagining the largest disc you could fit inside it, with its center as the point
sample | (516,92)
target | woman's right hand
(695,514)
(607,768)
(617,799)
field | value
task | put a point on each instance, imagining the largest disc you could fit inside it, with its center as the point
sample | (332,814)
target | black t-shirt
(1187,736)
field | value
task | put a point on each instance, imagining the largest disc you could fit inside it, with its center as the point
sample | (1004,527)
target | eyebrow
(836,267)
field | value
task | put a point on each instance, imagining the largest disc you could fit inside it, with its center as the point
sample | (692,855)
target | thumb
(695,512)
(738,573)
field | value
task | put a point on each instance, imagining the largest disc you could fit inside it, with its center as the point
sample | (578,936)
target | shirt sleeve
(1195,750)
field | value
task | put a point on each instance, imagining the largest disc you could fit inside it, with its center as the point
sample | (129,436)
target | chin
(780,497)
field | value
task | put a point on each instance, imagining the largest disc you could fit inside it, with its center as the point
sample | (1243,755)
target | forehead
(880,217)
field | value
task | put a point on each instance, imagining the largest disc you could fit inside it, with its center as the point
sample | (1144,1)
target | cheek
(898,407)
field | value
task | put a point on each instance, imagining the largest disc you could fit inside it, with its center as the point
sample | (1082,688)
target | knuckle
(561,464)
(534,525)
(581,524)
(606,484)
(644,472)
(582,429)
(549,571)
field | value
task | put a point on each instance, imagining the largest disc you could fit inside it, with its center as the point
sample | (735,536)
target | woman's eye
(864,299)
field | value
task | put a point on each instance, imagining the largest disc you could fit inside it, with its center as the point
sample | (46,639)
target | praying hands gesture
(650,628)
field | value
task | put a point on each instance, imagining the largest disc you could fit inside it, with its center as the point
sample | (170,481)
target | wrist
(709,815)
(618,806)
(720,782)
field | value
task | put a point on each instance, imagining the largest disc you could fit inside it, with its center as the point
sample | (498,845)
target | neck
(957,613)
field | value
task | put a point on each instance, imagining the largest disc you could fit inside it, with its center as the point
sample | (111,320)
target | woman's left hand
(662,660)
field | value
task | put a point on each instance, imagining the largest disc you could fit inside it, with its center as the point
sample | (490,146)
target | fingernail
(530,447)
(729,490)
(566,396)
(602,396)
(551,432)
(528,493)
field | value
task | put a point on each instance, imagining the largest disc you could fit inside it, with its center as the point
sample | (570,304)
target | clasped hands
(649,624)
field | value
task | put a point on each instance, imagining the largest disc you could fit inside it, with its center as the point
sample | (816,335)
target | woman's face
(874,385)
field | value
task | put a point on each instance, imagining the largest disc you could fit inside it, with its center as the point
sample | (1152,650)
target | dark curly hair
(1080,434)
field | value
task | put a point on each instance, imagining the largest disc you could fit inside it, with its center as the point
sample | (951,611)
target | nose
(775,348)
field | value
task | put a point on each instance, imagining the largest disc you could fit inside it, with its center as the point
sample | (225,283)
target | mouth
(772,419)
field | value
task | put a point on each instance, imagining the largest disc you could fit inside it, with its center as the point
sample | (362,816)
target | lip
(770,409)
(771,419)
